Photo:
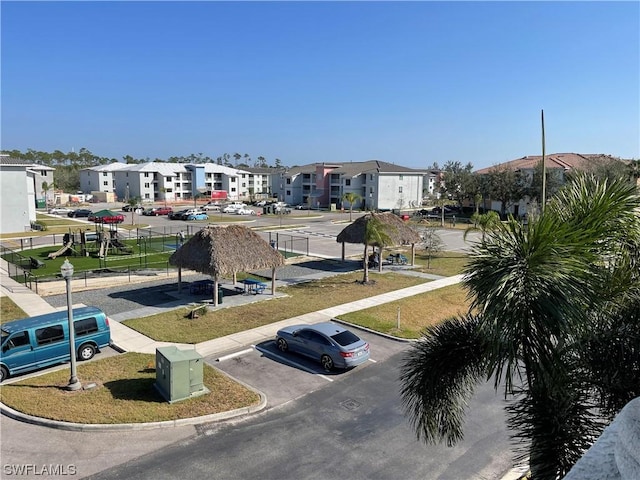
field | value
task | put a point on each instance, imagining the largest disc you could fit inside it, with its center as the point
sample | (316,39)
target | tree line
(458,183)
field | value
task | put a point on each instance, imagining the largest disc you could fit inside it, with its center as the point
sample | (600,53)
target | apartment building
(379,185)
(159,181)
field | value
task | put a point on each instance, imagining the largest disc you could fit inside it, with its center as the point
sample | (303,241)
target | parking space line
(233,355)
(373,361)
(287,360)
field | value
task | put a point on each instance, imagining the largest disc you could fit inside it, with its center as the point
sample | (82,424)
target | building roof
(566,161)
(10,161)
(353,169)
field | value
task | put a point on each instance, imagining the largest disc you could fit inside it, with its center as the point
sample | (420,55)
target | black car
(81,212)
(178,215)
(129,208)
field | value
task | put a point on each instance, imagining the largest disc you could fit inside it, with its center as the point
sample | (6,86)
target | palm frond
(438,377)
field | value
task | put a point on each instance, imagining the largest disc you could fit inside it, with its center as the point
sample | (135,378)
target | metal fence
(289,245)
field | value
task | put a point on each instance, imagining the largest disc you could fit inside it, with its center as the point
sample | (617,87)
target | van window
(49,334)
(18,340)
(85,326)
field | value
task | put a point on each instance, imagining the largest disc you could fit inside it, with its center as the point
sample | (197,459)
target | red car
(106,219)
(162,211)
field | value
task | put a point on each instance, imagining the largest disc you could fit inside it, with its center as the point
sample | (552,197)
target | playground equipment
(63,250)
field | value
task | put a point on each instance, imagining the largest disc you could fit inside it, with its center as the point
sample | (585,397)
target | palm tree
(483,222)
(45,190)
(538,291)
(351,198)
(133,202)
(375,235)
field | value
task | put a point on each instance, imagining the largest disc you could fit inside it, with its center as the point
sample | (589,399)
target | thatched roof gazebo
(395,228)
(219,250)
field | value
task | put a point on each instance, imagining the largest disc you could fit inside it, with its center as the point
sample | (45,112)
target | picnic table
(253,286)
(397,259)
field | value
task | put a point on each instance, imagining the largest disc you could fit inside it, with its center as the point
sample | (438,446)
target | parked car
(178,215)
(130,208)
(43,340)
(261,203)
(245,211)
(232,208)
(60,210)
(154,212)
(215,207)
(106,219)
(329,343)
(81,212)
(197,216)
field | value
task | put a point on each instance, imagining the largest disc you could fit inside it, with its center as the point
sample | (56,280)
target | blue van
(41,341)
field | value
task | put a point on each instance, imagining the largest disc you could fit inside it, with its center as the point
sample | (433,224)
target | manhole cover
(350,404)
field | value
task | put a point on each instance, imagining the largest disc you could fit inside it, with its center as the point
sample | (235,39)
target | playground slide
(64,248)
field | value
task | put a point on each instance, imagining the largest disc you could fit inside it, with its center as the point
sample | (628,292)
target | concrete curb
(116,427)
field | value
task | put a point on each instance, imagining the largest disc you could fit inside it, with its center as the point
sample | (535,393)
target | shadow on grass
(137,389)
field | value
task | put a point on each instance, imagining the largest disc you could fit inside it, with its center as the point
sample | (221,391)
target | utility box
(179,374)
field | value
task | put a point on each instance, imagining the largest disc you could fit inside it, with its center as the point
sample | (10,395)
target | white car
(214,207)
(232,208)
(60,210)
(245,211)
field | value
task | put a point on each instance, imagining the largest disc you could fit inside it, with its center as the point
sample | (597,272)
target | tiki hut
(396,229)
(219,250)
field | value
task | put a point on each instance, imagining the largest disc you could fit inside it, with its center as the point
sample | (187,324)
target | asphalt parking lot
(283,377)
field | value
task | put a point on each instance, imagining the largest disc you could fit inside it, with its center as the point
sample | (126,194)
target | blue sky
(411,83)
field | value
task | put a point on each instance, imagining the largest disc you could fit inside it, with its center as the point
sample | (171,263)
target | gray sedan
(329,343)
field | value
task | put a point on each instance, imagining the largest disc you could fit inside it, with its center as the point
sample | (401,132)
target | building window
(288,193)
(105,183)
(371,177)
(104,174)
(347,182)
(146,185)
(146,174)
(399,189)
(288,181)
(233,179)
(146,196)
(400,177)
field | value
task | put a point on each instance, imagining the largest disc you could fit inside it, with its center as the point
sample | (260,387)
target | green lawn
(124,393)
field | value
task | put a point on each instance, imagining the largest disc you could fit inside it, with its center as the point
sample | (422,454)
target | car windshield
(345,338)
(4,335)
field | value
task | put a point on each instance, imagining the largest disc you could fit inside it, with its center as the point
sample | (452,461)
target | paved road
(352,427)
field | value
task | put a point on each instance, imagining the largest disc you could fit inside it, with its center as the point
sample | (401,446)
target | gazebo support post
(379,258)
(273,281)
(179,279)
(413,254)
(343,247)
(215,291)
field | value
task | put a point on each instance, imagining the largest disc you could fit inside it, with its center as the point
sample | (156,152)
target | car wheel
(4,374)
(87,352)
(282,345)
(327,362)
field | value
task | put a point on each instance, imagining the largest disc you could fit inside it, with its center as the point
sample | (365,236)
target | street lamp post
(67,273)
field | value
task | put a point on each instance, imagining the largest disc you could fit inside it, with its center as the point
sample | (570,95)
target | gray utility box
(179,374)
